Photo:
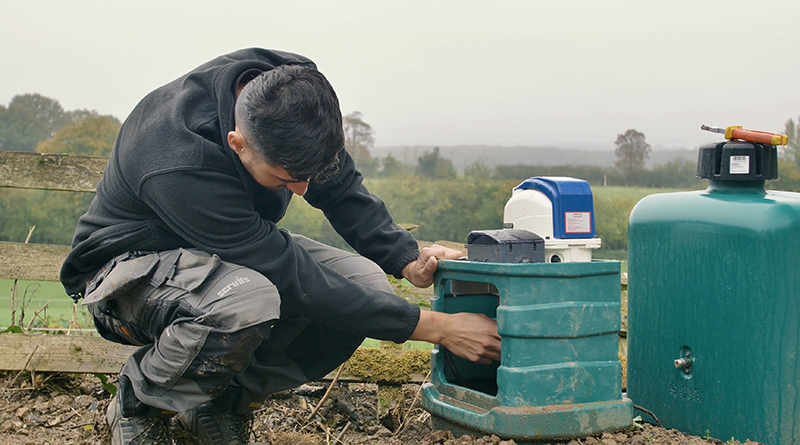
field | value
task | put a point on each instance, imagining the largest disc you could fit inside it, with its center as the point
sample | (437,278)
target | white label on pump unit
(740,165)
(578,222)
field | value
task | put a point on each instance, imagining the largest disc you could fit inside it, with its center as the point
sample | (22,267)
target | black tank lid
(737,161)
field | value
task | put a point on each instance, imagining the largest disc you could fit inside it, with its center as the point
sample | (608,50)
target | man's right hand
(467,335)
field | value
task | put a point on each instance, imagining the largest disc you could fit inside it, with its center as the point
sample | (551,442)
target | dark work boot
(209,424)
(146,429)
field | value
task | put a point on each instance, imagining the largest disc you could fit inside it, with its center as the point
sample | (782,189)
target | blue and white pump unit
(558,209)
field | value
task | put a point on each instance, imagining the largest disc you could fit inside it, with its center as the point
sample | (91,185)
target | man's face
(269,176)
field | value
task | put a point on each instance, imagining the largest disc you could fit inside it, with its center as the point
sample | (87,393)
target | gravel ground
(60,409)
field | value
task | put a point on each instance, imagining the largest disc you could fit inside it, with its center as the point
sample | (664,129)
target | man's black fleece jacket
(172,181)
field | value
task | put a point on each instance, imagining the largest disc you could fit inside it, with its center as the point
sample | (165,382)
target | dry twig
(25,365)
(419,390)
(341,433)
(14,286)
(36,314)
(327,393)
(73,322)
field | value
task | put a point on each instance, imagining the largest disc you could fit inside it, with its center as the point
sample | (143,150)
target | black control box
(505,246)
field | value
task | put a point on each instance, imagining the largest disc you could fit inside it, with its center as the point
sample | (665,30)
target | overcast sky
(564,73)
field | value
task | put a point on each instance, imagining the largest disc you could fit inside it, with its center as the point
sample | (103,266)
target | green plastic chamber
(714,302)
(559,375)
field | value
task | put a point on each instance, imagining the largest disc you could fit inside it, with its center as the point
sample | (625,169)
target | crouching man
(179,252)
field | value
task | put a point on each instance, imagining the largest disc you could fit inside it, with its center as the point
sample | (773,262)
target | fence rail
(92,354)
(50,172)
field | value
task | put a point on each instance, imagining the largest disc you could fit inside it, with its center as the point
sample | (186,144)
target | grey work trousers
(211,330)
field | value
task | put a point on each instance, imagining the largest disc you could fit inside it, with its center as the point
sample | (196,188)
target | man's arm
(362,219)
(471,336)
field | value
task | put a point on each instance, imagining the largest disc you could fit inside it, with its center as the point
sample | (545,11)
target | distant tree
(47,111)
(20,130)
(359,140)
(432,165)
(90,135)
(478,171)
(28,120)
(76,115)
(792,150)
(631,153)
(391,166)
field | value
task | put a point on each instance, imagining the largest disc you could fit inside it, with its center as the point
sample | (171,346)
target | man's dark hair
(290,116)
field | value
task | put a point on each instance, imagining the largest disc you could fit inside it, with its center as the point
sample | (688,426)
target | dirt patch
(60,409)
(52,409)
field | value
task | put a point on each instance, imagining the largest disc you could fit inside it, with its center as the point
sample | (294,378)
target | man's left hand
(420,272)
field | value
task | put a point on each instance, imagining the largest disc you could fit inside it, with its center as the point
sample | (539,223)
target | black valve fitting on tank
(737,161)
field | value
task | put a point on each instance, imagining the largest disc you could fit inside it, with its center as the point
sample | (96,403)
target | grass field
(613,204)
(32,296)
(60,310)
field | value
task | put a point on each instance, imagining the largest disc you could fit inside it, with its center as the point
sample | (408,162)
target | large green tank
(714,301)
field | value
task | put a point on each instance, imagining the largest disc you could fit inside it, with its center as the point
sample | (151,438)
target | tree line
(449,209)
(429,193)
(631,153)
(34,123)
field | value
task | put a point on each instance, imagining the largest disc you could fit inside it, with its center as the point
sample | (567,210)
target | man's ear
(236,141)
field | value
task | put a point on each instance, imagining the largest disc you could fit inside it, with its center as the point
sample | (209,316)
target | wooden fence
(92,354)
